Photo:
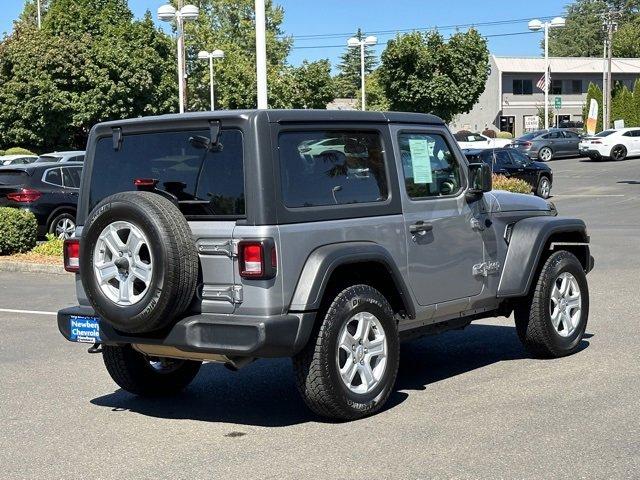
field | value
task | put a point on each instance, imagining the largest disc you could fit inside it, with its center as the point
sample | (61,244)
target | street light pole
(168,13)
(536,25)
(261,54)
(362,43)
(204,55)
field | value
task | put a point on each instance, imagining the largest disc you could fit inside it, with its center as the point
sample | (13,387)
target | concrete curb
(25,267)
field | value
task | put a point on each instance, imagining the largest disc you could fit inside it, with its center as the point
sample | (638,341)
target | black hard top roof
(285,116)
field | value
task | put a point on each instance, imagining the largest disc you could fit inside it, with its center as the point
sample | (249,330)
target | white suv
(614,144)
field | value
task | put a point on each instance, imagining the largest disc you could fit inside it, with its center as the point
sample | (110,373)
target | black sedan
(511,163)
(49,190)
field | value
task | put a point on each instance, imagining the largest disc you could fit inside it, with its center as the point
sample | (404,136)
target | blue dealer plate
(84,329)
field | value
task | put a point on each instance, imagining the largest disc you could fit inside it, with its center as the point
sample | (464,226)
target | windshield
(12,177)
(204,182)
(47,158)
(605,133)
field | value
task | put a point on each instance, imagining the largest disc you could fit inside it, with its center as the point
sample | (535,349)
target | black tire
(545,149)
(175,261)
(54,224)
(316,366)
(134,372)
(618,153)
(541,191)
(533,315)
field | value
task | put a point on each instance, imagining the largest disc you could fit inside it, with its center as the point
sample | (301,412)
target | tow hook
(95,348)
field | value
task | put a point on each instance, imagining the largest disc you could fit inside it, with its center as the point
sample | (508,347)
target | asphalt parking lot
(468,404)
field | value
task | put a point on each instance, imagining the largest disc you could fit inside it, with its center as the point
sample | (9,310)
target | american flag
(542,84)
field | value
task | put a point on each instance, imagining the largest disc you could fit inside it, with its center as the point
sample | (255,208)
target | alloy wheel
(565,304)
(362,353)
(545,154)
(122,263)
(65,228)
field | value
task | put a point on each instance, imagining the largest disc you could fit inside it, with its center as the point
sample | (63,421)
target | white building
(511,94)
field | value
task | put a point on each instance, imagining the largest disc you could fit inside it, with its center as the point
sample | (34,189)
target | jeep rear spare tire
(139,261)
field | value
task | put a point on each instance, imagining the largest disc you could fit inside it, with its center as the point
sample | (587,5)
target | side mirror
(479,179)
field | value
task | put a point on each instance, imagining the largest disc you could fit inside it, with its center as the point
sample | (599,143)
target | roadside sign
(618,124)
(558,103)
(531,122)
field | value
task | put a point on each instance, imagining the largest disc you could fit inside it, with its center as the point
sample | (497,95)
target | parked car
(49,190)
(511,163)
(477,140)
(62,157)
(6,160)
(614,144)
(545,145)
(241,247)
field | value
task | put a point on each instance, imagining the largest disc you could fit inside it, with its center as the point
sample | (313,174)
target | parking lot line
(32,312)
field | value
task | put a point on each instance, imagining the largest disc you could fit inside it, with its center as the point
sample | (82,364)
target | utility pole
(261,54)
(39,16)
(609,25)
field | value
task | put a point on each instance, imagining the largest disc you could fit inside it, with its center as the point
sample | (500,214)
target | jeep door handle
(420,228)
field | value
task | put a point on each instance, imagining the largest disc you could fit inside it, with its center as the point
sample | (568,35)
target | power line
(343,45)
(402,30)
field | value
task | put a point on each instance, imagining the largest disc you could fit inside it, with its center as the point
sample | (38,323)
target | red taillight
(257,259)
(145,182)
(25,195)
(72,255)
(526,144)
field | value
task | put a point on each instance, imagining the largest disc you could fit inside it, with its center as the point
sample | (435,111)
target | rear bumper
(231,335)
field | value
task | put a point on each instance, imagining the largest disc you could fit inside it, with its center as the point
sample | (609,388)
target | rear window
(47,158)
(206,183)
(321,168)
(13,177)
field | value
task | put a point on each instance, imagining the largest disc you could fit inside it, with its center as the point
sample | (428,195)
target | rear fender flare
(323,261)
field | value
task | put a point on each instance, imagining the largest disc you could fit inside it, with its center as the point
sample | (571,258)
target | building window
(522,87)
(576,86)
(556,87)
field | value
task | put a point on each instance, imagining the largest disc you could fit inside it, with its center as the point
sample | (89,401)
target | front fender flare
(526,246)
(324,260)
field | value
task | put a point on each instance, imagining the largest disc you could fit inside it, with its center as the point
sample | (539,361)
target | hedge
(504,135)
(18,231)
(18,151)
(500,182)
(53,247)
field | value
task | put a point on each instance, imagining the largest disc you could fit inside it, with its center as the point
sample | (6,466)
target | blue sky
(320,17)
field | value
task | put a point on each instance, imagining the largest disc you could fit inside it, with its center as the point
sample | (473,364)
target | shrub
(462,135)
(52,247)
(18,151)
(500,182)
(1,152)
(18,231)
(504,135)
(487,132)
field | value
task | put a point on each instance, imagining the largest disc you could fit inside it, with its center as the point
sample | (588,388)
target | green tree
(636,103)
(229,25)
(376,99)
(90,62)
(583,35)
(622,106)
(595,92)
(421,72)
(348,80)
(626,41)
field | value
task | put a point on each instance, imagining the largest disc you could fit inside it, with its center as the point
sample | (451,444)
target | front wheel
(349,368)
(148,376)
(553,319)
(63,226)
(618,153)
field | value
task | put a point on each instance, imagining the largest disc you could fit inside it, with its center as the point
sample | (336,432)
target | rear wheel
(147,376)
(63,226)
(545,154)
(619,152)
(544,187)
(348,369)
(553,319)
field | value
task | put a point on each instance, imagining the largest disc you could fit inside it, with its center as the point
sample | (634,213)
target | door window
(571,135)
(430,169)
(53,177)
(332,167)
(553,135)
(519,159)
(71,177)
(502,159)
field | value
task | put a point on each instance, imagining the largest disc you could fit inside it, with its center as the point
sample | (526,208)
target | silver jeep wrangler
(327,237)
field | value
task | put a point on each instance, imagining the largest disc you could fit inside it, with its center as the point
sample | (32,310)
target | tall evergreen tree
(348,80)
(595,92)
